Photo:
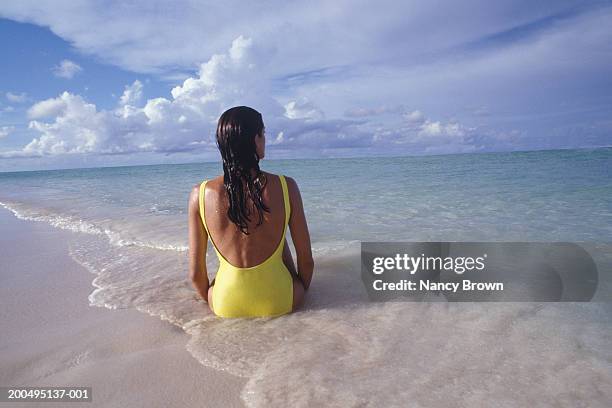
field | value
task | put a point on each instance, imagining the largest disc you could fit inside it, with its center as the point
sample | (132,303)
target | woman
(245,213)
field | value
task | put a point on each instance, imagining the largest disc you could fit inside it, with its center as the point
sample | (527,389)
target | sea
(342,349)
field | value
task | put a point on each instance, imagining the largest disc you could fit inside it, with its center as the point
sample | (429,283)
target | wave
(75,224)
(119,238)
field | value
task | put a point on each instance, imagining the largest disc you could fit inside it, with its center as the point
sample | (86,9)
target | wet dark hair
(236,132)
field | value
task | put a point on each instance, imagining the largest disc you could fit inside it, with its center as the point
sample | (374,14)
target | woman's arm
(300,234)
(288,260)
(198,241)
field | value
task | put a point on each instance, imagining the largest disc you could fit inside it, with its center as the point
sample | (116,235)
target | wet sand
(51,336)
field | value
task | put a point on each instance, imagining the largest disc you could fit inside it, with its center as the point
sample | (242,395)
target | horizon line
(320,158)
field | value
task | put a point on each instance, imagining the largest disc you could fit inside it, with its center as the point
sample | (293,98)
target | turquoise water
(341,349)
(548,195)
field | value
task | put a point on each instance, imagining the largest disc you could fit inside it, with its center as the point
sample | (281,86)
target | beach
(446,173)
(112,307)
(52,337)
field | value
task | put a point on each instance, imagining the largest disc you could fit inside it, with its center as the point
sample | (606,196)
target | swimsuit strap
(285,199)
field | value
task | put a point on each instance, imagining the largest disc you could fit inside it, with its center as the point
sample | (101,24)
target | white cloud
(160,37)
(77,127)
(186,120)
(364,112)
(238,76)
(66,69)
(420,134)
(5,131)
(414,116)
(303,109)
(132,94)
(436,133)
(279,139)
(16,97)
(47,108)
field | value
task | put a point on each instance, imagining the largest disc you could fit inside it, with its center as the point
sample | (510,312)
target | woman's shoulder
(292,187)
(210,183)
(194,199)
(291,183)
(214,183)
(288,179)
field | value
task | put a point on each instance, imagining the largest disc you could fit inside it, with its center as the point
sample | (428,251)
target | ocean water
(341,350)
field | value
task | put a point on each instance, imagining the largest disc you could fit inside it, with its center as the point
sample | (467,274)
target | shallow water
(342,350)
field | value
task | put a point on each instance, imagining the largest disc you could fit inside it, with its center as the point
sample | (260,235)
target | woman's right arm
(300,234)
(198,241)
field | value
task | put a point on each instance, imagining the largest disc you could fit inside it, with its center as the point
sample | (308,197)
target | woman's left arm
(198,241)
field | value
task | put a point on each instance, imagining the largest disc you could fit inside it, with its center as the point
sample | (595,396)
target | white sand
(50,336)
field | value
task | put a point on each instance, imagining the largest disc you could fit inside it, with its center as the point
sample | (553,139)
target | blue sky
(114,83)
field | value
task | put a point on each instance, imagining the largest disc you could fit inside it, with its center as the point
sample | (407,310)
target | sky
(92,83)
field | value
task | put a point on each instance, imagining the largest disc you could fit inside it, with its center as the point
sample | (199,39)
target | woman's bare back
(239,249)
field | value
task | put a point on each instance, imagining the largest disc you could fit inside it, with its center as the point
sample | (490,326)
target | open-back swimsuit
(257,291)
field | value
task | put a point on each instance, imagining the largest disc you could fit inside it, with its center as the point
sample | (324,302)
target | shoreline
(53,337)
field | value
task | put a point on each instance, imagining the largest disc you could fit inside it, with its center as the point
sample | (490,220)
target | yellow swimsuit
(257,291)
